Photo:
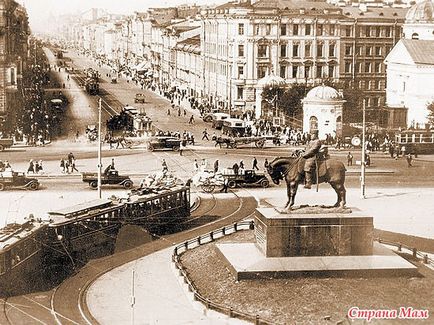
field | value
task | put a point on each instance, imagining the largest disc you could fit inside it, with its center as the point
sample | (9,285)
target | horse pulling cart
(232,143)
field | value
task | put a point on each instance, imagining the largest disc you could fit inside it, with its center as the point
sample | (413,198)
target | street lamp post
(363,164)
(99,148)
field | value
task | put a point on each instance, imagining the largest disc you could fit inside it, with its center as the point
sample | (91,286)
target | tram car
(91,86)
(21,251)
(79,232)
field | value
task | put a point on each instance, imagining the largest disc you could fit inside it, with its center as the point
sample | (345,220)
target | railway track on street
(66,303)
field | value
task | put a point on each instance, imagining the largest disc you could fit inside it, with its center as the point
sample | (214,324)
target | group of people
(35,167)
(68,164)
(5,166)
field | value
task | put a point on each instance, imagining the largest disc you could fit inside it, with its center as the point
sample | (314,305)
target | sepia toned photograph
(216,162)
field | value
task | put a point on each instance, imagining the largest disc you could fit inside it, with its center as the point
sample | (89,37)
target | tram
(21,249)
(416,141)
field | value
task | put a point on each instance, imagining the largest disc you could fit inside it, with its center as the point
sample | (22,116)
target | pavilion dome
(324,93)
(421,12)
(271,80)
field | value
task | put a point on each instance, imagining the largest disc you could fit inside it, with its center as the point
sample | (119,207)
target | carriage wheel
(232,145)
(259,143)
(93,185)
(151,147)
(208,188)
(2,186)
(175,148)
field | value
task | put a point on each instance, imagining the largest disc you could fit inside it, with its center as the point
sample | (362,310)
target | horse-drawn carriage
(207,180)
(232,142)
(91,132)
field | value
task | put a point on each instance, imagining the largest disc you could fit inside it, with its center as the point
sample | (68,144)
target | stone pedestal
(284,235)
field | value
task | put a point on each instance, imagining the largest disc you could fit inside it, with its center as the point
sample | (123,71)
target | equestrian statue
(312,166)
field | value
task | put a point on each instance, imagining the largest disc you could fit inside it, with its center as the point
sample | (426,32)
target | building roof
(390,13)
(191,44)
(271,80)
(421,51)
(421,12)
(292,4)
(324,93)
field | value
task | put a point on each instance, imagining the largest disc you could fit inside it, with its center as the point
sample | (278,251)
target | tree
(430,108)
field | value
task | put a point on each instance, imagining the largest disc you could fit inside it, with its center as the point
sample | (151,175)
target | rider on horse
(312,149)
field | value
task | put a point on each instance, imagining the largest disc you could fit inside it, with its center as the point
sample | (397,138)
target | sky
(40,10)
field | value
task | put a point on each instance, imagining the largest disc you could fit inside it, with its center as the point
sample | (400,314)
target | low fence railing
(204,239)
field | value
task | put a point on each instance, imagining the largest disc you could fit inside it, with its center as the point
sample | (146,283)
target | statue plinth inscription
(329,234)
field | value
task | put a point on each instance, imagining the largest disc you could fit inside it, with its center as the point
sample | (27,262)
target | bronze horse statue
(292,169)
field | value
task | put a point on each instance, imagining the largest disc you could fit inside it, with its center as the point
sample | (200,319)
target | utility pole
(133,298)
(99,148)
(363,165)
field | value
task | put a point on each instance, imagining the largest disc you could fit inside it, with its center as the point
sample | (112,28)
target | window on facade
(294,71)
(307,50)
(240,29)
(283,29)
(307,70)
(256,29)
(319,50)
(388,31)
(262,51)
(358,50)
(331,50)
(332,29)
(359,67)
(375,101)
(241,50)
(295,29)
(295,49)
(320,29)
(348,49)
(262,70)
(347,67)
(240,72)
(283,71)
(377,31)
(283,50)
(368,67)
(240,93)
(267,29)
(331,71)
(368,31)
(348,30)
(319,71)
(387,50)
(308,29)
(378,50)
(369,51)
(13,77)
(378,67)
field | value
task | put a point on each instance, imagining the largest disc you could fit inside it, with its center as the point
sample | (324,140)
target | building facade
(14,33)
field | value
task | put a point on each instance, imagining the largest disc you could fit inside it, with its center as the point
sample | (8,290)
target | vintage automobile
(6,143)
(218,118)
(163,142)
(110,177)
(17,180)
(247,177)
(234,127)
(139,98)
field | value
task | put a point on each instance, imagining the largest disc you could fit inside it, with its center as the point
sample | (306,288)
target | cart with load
(207,180)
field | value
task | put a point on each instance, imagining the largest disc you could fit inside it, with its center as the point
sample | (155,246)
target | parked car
(163,142)
(218,118)
(6,143)
(111,177)
(17,180)
(246,177)
(140,98)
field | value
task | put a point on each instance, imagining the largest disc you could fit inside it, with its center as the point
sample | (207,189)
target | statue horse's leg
(341,193)
(291,192)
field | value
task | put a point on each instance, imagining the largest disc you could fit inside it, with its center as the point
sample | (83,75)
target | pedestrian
(182,145)
(70,158)
(73,167)
(409,159)
(164,166)
(241,164)
(40,169)
(216,166)
(349,159)
(62,166)
(168,111)
(195,166)
(205,134)
(36,167)
(185,112)
(191,120)
(31,167)
(77,136)
(236,168)
(266,164)
(255,163)
(203,164)
(179,111)
(367,159)
(225,185)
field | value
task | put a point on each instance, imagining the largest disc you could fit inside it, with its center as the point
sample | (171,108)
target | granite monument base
(246,261)
(326,234)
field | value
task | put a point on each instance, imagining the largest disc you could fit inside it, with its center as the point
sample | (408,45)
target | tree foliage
(430,116)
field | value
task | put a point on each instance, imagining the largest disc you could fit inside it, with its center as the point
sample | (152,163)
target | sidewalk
(160,296)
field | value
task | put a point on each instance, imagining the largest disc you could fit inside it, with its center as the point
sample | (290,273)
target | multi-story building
(14,33)
(302,42)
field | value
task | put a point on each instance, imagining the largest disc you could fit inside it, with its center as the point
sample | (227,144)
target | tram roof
(89,205)
(14,233)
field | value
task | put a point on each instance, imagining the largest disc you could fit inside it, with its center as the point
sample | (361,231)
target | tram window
(2,264)
(427,138)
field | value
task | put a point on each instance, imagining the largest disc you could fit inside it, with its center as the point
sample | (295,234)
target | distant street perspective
(245,162)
